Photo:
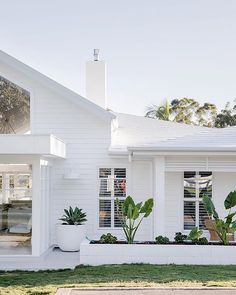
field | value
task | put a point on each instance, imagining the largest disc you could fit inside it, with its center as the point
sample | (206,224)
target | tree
(185,110)
(162,112)
(227,116)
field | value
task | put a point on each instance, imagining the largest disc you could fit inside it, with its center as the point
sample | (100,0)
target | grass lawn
(142,275)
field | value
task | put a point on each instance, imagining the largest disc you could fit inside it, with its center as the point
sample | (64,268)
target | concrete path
(160,291)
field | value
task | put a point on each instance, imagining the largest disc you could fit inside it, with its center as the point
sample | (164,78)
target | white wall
(87,141)
(141,180)
(223,184)
(173,203)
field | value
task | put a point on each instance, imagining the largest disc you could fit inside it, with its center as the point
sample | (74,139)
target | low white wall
(98,254)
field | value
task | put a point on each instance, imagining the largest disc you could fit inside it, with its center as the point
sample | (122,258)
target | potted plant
(71,231)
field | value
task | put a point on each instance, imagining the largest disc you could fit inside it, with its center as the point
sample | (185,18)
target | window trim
(196,200)
(112,227)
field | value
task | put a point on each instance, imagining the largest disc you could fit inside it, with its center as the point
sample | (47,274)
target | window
(112,185)
(15,209)
(195,185)
(14,108)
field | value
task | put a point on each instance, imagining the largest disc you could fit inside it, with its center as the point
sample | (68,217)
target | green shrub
(195,235)
(162,240)
(108,239)
(202,241)
(180,238)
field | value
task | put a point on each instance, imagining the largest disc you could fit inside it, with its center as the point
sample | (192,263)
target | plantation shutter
(196,184)
(112,185)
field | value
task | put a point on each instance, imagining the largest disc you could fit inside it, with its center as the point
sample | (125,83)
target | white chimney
(96,80)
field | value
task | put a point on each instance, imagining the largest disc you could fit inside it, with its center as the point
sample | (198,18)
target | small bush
(162,240)
(180,238)
(108,239)
(195,235)
(202,241)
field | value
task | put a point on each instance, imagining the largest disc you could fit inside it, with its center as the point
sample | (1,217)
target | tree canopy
(190,111)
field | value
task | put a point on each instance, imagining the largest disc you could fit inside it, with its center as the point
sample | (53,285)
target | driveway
(160,291)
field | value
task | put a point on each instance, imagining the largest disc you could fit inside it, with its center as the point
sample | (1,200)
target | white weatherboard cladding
(141,181)
(201,163)
(87,140)
(173,203)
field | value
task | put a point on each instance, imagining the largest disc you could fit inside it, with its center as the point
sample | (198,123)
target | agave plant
(131,215)
(73,216)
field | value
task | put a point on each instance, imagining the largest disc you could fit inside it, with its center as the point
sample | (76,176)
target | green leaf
(229,218)
(126,205)
(136,213)
(195,234)
(230,200)
(130,212)
(209,206)
(147,207)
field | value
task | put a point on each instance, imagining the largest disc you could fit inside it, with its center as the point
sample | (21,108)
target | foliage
(127,275)
(131,215)
(162,240)
(190,111)
(195,235)
(223,227)
(227,117)
(73,216)
(14,107)
(180,238)
(184,110)
(202,241)
(108,239)
(162,112)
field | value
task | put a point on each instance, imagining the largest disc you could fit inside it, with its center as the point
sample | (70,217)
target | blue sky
(155,49)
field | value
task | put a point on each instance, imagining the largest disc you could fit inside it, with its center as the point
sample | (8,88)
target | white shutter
(196,184)
(112,185)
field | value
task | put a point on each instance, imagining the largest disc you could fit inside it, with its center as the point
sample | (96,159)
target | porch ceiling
(32,144)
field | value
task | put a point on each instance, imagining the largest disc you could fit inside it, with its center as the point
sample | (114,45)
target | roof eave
(55,86)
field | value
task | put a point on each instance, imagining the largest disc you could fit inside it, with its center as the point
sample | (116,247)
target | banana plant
(131,215)
(223,227)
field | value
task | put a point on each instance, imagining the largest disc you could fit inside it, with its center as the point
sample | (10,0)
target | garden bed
(148,252)
(154,243)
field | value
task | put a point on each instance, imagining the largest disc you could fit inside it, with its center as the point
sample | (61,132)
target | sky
(154,49)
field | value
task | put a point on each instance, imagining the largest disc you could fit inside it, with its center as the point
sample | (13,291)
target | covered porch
(25,163)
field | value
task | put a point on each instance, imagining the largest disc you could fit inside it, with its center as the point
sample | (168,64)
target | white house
(65,150)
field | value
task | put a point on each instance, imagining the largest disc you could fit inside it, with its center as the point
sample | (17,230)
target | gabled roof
(138,131)
(140,134)
(209,140)
(56,87)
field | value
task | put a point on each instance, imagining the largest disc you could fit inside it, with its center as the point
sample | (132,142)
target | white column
(36,208)
(159,195)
